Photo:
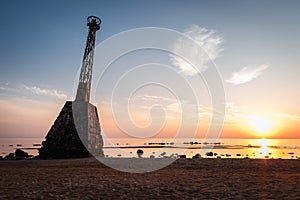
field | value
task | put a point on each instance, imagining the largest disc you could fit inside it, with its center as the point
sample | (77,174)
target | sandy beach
(184,179)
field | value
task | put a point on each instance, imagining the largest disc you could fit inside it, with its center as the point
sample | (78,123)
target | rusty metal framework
(84,86)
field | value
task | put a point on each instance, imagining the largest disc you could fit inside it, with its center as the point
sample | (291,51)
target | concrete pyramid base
(76,133)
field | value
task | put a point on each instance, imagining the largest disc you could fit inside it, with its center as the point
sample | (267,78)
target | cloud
(195,54)
(156,98)
(175,107)
(246,74)
(236,115)
(292,117)
(6,87)
(8,91)
(45,92)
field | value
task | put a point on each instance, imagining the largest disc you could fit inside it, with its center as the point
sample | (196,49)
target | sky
(246,51)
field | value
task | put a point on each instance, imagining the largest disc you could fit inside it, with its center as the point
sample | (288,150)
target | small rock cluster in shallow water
(18,155)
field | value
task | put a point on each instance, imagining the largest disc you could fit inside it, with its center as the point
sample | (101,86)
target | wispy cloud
(175,107)
(247,74)
(156,98)
(235,115)
(7,87)
(46,92)
(195,54)
(292,117)
(8,90)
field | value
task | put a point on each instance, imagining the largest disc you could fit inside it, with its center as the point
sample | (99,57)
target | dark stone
(197,155)
(140,152)
(20,154)
(10,156)
(209,154)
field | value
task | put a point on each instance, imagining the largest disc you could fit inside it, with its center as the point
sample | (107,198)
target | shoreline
(223,147)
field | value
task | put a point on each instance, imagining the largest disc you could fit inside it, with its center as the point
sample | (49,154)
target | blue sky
(42,44)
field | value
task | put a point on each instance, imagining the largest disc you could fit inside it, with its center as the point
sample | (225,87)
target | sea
(175,147)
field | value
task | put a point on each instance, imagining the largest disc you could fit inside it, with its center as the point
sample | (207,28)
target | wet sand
(184,179)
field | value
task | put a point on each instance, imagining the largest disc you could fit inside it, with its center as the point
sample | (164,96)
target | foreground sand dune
(184,179)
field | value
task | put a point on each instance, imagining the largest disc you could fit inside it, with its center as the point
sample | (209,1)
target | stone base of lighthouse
(76,133)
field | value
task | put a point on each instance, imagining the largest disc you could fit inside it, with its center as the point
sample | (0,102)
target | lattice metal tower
(84,86)
(76,132)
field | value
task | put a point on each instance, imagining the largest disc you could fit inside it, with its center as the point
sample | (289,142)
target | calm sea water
(169,147)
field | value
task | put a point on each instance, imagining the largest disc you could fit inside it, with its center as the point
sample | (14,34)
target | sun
(261,125)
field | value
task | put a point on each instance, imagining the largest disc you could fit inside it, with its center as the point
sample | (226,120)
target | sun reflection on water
(265,151)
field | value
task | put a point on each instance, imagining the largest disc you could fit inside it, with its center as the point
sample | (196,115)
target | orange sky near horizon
(280,128)
(34,119)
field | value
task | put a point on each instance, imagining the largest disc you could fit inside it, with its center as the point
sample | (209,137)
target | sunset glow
(150,99)
(209,70)
(261,125)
